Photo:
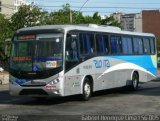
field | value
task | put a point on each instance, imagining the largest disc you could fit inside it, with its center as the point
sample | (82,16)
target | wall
(151,22)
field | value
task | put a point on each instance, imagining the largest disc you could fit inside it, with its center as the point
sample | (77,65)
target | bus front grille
(33,92)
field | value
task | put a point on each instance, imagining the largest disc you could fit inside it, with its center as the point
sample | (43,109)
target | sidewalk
(4,87)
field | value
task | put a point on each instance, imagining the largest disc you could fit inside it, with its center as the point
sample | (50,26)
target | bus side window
(86,44)
(116,44)
(152,44)
(71,48)
(102,44)
(146,46)
(127,45)
(138,47)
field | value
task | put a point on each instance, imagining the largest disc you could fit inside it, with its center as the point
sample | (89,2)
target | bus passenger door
(72,80)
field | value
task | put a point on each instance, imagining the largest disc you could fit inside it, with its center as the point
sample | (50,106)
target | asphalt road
(145,101)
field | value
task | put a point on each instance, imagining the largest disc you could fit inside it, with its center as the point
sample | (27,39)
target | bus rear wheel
(87,90)
(135,81)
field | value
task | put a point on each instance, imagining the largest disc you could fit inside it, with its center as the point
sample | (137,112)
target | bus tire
(135,81)
(87,90)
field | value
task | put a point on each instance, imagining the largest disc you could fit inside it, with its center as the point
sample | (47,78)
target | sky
(104,7)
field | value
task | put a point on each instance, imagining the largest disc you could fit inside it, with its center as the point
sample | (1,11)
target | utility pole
(70,15)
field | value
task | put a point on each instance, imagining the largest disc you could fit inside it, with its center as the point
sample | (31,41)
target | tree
(65,16)
(110,21)
(96,18)
(27,16)
(68,16)
(77,17)
(5,32)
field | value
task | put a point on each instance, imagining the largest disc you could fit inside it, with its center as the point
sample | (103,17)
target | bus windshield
(37,52)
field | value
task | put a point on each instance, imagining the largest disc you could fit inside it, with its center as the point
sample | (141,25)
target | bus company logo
(101,63)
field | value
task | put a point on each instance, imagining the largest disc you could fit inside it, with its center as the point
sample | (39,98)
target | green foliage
(32,15)
(27,16)
(95,19)
(5,32)
(110,21)
(64,16)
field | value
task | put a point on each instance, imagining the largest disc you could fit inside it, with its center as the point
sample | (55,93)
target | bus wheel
(135,81)
(87,90)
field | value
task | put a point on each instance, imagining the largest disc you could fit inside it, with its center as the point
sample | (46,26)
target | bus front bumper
(34,91)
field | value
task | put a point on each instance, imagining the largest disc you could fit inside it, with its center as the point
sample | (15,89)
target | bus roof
(86,27)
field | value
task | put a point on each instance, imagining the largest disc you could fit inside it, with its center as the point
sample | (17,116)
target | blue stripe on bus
(46,59)
(145,61)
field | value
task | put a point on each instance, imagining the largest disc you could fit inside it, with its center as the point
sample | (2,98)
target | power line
(98,7)
(94,2)
(83,5)
(62,1)
(78,7)
(86,11)
(128,3)
(97,11)
(122,7)
(91,11)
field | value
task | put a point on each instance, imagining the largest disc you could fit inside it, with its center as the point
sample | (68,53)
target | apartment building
(9,7)
(130,22)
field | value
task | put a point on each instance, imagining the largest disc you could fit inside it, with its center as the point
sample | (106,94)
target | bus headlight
(54,82)
(52,85)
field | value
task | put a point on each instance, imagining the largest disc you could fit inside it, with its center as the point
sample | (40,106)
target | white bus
(62,60)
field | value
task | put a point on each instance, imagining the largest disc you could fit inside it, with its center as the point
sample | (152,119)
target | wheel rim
(135,81)
(87,89)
